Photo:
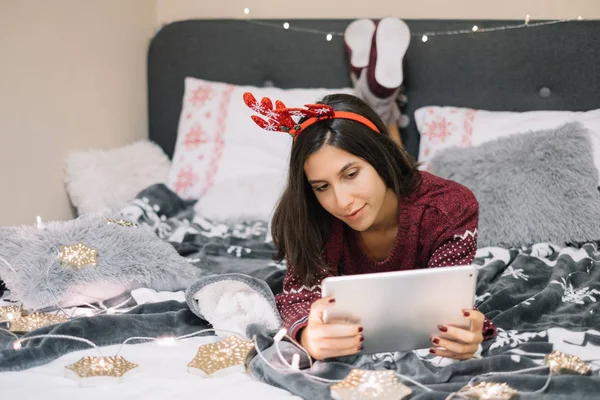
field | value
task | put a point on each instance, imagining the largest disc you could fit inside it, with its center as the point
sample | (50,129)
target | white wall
(72,76)
(172,10)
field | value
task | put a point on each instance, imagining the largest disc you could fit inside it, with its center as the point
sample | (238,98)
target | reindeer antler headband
(279,119)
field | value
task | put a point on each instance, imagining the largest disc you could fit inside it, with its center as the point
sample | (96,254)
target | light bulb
(527,19)
(286,25)
(246,11)
(475,28)
(17,345)
(166,341)
(424,38)
(329,37)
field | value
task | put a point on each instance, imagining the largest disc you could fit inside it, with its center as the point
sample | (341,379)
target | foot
(389,45)
(358,37)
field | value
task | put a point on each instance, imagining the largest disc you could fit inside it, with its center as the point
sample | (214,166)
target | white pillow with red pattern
(218,144)
(443,127)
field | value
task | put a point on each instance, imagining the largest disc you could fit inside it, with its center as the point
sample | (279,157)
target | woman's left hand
(458,343)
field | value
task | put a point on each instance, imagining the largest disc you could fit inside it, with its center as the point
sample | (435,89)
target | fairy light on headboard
(424,36)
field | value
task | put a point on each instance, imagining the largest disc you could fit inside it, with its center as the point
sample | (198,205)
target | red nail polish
(467,313)
(442,328)
(360,329)
(332,300)
(362,338)
(435,341)
(432,351)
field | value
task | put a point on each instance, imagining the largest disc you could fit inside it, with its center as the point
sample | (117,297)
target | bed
(541,295)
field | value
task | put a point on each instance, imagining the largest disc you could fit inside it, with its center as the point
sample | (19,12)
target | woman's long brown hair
(300,225)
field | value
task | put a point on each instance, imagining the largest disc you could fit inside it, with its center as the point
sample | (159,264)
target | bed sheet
(162,374)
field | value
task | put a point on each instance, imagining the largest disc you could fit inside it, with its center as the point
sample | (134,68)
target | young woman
(356,203)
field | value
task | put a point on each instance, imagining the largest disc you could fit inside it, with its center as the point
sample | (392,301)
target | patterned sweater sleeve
(457,245)
(295,301)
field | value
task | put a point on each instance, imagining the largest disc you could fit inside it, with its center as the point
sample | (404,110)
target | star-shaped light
(489,391)
(561,363)
(95,367)
(78,255)
(32,322)
(10,313)
(362,384)
(217,356)
(122,222)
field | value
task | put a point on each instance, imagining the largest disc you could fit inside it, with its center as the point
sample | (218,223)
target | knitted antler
(280,119)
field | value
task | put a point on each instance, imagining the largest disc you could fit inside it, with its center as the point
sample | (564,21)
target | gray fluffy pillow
(127,258)
(532,187)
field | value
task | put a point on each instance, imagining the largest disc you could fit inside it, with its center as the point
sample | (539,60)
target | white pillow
(218,143)
(251,197)
(442,127)
(102,180)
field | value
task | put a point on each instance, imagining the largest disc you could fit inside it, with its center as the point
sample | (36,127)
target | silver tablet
(401,310)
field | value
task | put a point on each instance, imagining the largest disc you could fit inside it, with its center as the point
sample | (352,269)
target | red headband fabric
(279,119)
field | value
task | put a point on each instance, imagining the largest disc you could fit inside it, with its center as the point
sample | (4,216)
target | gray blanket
(542,298)
(170,318)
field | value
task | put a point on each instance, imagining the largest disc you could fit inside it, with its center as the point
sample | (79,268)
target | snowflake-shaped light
(32,322)
(489,391)
(561,363)
(94,367)
(78,255)
(10,313)
(217,356)
(363,384)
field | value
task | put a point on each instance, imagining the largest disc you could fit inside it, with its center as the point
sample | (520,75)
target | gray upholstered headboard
(504,70)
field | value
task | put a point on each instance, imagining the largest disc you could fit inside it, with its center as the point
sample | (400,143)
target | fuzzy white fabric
(104,180)
(233,305)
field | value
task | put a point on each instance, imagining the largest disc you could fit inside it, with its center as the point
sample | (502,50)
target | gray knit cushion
(127,258)
(531,187)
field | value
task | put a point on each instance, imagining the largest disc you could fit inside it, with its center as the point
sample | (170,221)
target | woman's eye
(352,175)
(321,188)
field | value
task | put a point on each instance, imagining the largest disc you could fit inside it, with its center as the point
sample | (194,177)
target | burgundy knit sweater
(437,228)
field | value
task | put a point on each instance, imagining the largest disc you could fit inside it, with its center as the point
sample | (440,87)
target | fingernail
(467,313)
(360,329)
(362,338)
(435,341)
(332,300)
(442,328)
(432,351)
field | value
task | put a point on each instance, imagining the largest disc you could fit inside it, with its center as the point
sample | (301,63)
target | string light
(246,11)
(423,35)
(286,25)
(296,362)
(475,28)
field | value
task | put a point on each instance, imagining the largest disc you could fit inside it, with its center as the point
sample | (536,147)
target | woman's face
(346,186)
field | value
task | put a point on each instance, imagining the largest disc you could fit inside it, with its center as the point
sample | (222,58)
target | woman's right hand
(329,340)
